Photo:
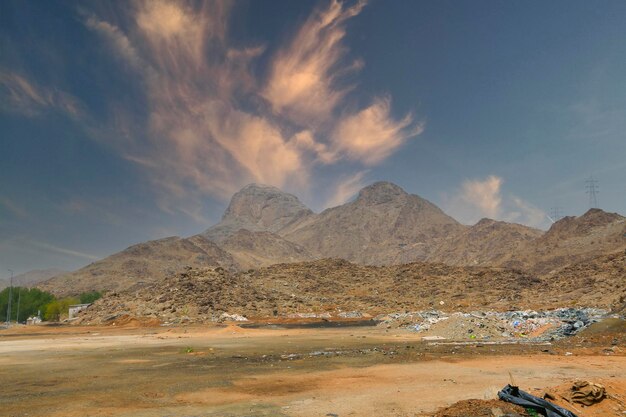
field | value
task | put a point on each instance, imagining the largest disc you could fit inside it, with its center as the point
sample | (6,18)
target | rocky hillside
(146,262)
(336,288)
(256,249)
(484,243)
(570,240)
(384,225)
(591,281)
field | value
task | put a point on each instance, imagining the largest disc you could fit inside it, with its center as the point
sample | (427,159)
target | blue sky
(122,122)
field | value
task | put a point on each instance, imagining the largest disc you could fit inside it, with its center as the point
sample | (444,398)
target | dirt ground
(229,371)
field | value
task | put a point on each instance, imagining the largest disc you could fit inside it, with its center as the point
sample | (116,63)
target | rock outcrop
(258,208)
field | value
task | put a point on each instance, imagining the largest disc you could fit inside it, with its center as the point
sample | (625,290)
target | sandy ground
(211,371)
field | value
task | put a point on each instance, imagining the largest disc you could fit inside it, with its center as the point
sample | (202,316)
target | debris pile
(542,325)
(338,290)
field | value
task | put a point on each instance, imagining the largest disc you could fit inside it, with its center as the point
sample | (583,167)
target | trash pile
(534,325)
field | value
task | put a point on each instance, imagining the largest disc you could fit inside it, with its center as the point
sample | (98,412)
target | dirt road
(88,371)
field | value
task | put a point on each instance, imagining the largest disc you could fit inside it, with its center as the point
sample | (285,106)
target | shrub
(89,297)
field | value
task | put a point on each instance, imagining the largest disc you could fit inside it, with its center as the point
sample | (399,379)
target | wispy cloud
(214,126)
(484,195)
(346,188)
(64,251)
(521,211)
(304,75)
(478,198)
(21,95)
(371,135)
(13,208)
(37,246)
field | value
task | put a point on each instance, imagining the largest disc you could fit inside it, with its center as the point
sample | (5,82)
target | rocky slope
(384,225)
(484,243)
(145,262)
(256,249)
(329,288)
(591,281)
(570,240)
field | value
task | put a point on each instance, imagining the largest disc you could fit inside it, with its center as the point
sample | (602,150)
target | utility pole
(19,298)
(593,189)
(10,296)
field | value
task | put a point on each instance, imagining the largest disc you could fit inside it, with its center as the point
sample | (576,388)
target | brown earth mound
(481,408)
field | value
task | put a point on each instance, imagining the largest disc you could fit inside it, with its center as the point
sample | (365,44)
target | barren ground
(229,371)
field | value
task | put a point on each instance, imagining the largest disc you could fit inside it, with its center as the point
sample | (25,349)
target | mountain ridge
(383,225)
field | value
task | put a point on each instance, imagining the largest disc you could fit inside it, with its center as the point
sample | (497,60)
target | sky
(126,121)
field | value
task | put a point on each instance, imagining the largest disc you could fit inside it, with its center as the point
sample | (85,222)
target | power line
(592,189)
(556,213)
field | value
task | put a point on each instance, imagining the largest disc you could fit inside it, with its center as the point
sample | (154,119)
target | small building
(77,308)
(33,320)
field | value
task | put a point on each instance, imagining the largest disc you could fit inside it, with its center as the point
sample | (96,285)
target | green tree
(59,309)
(89,297)
(30,301)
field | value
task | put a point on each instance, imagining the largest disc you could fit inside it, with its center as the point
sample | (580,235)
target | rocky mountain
(484,243)
(145,262)
(258,208)
(384,225)
(570,240)
(32,278)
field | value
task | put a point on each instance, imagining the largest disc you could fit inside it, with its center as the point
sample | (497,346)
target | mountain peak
(254,201)
(257,208)
(381,192)
(255,187)
(600,216)
(575,226)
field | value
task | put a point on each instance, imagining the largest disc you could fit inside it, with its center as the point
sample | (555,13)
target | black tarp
(516,396)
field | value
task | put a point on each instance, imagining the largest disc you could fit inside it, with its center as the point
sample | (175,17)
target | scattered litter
(232,317)
(482,326)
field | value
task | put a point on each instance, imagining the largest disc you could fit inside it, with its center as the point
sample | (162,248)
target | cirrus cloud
(478,198)
(213,125)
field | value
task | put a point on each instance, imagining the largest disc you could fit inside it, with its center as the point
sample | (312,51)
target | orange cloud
(303,76)
(371,135)
(478,198)
(485,195)
(209,128)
